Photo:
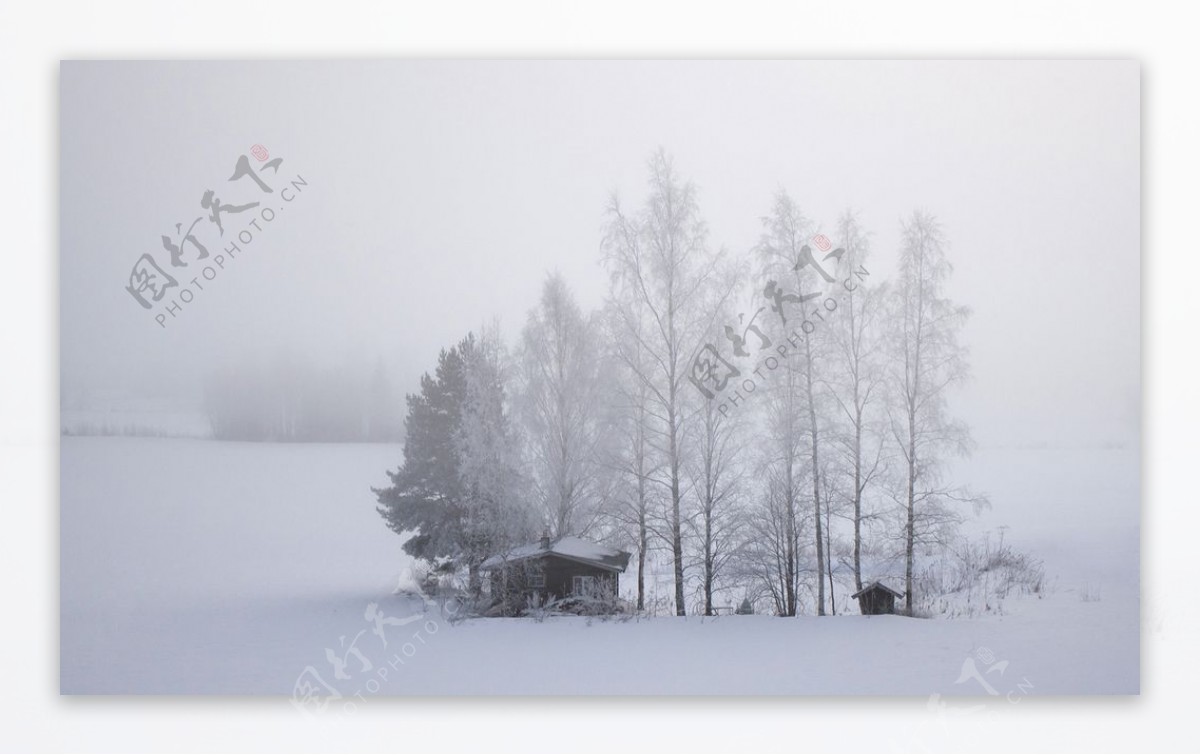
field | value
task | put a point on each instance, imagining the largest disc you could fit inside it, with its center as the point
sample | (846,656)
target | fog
(436,196)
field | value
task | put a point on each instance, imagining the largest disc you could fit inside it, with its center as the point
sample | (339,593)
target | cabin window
(585,586)
(537,580)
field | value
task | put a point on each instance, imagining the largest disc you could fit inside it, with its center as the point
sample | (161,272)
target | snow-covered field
(202,567)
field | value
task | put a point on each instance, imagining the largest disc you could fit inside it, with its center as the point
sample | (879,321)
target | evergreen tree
(458,493)
(426,498)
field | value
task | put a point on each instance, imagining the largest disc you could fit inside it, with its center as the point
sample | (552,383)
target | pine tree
(426,498)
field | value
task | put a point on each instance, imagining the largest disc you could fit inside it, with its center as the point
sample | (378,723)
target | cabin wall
(560,574)
(548,577)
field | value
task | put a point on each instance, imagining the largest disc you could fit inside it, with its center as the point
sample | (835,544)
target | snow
(569,545)
(579,548)
(201,567)
(524,551)
(874,585)
(884,655)
(407,583)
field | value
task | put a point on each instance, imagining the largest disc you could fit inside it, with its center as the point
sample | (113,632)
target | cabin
(567,569)
(876,599)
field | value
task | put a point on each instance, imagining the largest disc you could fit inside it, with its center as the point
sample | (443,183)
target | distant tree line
(773,422)
(290,399)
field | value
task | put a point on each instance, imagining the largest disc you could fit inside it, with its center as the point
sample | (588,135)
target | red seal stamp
(260,152)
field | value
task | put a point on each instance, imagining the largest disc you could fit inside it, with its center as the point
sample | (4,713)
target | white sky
(440,193)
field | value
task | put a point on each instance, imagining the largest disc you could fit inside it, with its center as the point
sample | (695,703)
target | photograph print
(429,378)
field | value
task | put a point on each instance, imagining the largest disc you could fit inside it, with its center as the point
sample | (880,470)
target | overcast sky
(440,193)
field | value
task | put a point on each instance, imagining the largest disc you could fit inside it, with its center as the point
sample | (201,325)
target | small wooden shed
(876,598)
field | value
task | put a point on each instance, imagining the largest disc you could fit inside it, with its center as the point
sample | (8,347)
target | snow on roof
(516,554)
(876,585)
(569,546)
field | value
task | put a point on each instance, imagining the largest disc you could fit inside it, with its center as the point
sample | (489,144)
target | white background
(33,38)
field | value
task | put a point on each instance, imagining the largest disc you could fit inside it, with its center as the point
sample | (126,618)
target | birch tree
(927,361)
(631,456)
(789,262)
(717,479)
(662,270)
(562,407)
(773,551)
(496,513)
(856,378)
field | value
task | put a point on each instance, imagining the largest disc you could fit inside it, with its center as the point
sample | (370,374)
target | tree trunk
(909,528)
(829,562)
(641,579)
(708,563)
(790,548)
(913,396)
(676,524)
(816,477)
(677,549)
(857,498)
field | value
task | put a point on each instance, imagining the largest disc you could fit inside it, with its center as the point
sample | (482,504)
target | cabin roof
(569,547)
(876,585)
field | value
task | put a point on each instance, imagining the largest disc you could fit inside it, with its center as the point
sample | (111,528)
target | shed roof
(876,585)
(569,547)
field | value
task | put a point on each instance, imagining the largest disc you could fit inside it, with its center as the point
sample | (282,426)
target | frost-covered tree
(717,478)
(425,500)
(457,493)
(631,457)
(791,268)
(497,514)
(926,361)
(855,381)
(717,468)
(772,552)
(662,273)
(564,407)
